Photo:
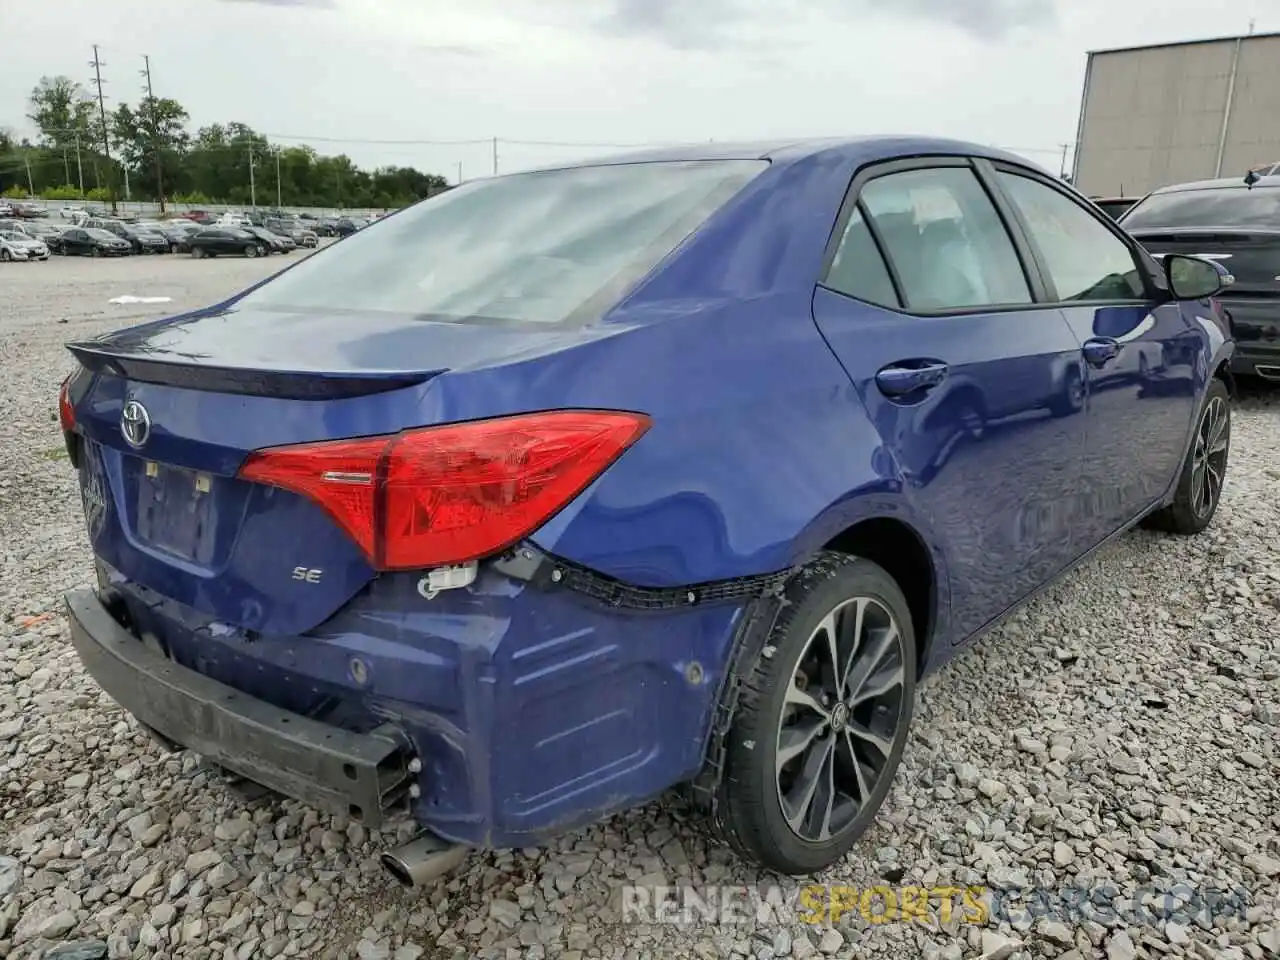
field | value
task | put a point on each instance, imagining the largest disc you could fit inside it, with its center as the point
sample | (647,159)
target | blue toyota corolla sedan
(561,489)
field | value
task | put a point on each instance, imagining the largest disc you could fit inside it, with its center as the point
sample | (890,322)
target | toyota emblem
(135,424)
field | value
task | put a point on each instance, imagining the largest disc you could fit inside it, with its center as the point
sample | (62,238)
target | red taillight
(454,493)
(66,412)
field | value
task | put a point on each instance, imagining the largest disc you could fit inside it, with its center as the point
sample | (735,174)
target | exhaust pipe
(1268,372)
(423,860)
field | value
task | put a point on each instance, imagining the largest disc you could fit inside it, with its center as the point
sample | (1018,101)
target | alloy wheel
(1209,458)
(841,718)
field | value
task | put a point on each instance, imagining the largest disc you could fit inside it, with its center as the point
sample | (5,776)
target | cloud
(322,4)
(714,23)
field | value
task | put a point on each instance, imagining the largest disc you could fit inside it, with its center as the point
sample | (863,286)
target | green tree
(67,120)
(152,142)
(219,163)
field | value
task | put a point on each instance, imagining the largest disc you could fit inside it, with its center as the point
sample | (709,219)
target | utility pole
(1065,148)
(125,170)
(31,187)
(495,156)
(253,192)
(97,65)
(79,165)
(279,202)
(155,132)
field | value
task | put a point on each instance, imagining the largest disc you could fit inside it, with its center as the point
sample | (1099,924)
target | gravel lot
(1122,734)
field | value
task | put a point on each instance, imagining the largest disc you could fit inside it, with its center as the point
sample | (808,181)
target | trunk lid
(1250,254)
(170,410)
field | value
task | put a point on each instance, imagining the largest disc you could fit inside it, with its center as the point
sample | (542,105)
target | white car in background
(18,246)
(72,213)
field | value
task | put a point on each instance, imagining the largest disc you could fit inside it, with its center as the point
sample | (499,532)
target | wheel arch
(901,550)
(1223,372)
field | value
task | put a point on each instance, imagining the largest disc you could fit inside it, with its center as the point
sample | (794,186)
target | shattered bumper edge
(319,764)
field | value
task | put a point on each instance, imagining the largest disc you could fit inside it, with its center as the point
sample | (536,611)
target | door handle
(1099,350)
(901,379)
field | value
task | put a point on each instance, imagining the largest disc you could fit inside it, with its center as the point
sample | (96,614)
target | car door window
(1085,260)
(857,269)
(945,239)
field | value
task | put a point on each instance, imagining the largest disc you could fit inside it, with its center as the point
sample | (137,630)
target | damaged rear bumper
(360,775)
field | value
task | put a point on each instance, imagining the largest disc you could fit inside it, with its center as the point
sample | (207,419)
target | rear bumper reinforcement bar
(359,775)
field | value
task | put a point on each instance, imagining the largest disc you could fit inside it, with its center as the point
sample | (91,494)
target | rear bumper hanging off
(325,766)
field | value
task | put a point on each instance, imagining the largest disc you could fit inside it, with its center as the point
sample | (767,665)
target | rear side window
(1221,207)
(545,247)
(947,243)
(857,269)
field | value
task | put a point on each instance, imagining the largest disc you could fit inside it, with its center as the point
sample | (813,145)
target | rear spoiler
(189,373)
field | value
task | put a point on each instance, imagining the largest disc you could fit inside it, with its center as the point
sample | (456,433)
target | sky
(557,80)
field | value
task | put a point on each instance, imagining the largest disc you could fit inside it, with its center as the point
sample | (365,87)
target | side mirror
(1191,278)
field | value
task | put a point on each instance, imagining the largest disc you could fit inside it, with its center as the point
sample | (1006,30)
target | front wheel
(825,706)
(197,252)
(1204,471)
(97,251)
(251,252)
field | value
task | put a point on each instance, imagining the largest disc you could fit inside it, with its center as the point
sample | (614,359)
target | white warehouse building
(1172,113)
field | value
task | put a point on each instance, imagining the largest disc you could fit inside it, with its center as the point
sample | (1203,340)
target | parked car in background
(20,246)
(41,230)
(492,570)
(69,212)
(1114,207)
(1237,225)
(143,240)
(326,226)
(15,224)
(274,241)
(294,230)
(26,211)
(223,241)
(179,233)
(92,241)
(140,241)
(346,226)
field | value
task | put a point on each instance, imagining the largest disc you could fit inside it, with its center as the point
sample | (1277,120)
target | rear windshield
(1223,207)
(545,247)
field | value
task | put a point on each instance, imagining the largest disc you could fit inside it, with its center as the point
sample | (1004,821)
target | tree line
(149,152)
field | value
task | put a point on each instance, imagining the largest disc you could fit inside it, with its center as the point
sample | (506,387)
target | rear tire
(839,741)
(251,252)
(1204,472)
(97,251)
(197,252)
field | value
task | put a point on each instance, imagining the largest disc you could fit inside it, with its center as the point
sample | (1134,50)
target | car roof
(859,149)
(1222,183)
